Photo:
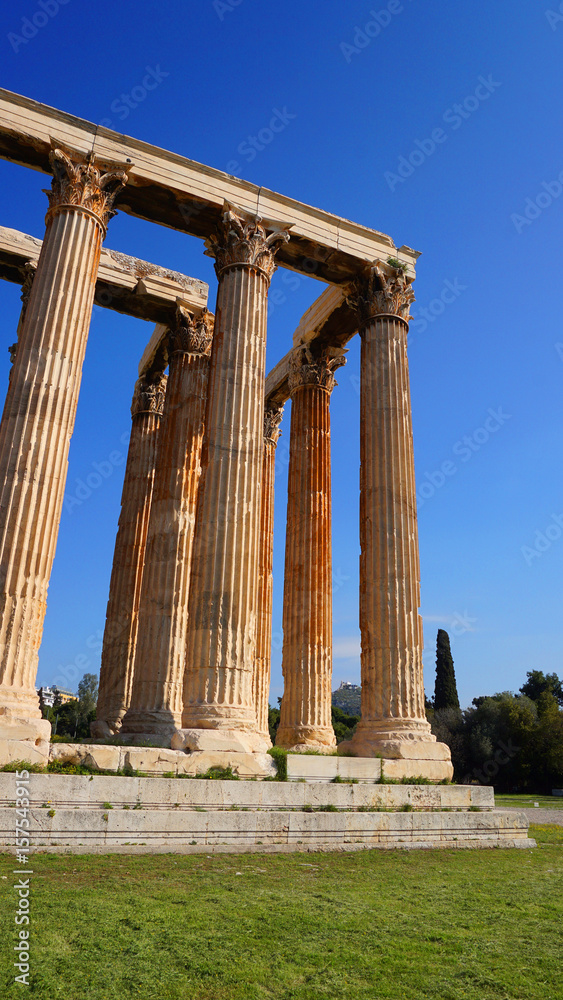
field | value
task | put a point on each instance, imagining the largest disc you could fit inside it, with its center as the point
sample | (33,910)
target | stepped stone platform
(101,814)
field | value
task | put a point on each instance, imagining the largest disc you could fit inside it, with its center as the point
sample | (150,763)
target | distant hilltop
(347,698)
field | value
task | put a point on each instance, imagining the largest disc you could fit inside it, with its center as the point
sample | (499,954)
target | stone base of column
(407,740)
(225,740)
(103,729)
(149,724)
(299,739)
(23,738)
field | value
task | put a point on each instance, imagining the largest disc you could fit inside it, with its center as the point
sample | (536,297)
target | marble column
(306,708)
(155,708)
(39,413)
(262,663)
(28,274)
(393,721)
(120,634)
(222,624)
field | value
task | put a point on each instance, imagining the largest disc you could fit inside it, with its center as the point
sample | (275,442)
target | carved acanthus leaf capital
(149,394)
(78,182)
(273,414)
(305,369)
(28,274)
(191,334)
(241,242)
(376,293)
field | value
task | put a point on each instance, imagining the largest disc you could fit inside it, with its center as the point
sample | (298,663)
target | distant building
(47,695)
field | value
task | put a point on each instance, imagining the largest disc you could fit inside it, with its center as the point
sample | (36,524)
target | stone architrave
(262,664)
(393,721)
(39,414)
(120,634)
(155,708)
(222,623)
(306,708)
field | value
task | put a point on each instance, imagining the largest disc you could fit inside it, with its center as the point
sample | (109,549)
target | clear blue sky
(358,103)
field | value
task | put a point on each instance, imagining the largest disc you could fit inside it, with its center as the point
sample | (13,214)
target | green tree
(538,682)
(445,691)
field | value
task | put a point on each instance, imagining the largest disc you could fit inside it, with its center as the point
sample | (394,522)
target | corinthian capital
(78,182)
(243,242)
(304,369)
(375,293)
(273,413)
(149,394)
(191,334)
(28,274)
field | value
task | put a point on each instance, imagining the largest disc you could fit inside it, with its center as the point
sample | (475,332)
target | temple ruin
(186,655)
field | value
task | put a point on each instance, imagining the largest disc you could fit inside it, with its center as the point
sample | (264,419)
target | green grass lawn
(527,801)
(367,925)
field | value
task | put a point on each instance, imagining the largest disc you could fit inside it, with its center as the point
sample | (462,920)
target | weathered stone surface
(433,770)
(221,646)
(120,635)
(246,765)
(172,814)
(26,750)
(391,627)
(103,758)
(156,696)
(262,662)
(12,727)
(150,761)
(327,767)
(305,718)
(39,412)
(219,740)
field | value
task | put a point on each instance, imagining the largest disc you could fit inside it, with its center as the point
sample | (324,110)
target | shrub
(279,756)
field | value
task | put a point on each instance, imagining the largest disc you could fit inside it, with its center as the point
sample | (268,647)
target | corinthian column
(306,710)
(120,635)
(262,663)
(223,598)
(39,413)
(393,722)
(156,697)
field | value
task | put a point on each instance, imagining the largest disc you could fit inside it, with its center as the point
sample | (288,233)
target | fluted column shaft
(262,663)
(223,604)
(156,698)
(306,710)
(120,634)
(390,625)
(39,414)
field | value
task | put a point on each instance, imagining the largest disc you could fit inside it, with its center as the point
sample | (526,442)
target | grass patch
(366,925)
(279,756)
(527,801)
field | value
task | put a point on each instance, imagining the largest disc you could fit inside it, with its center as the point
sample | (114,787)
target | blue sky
(462,101)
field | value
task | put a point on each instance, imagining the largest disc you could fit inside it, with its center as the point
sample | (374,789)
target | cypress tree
(445,691)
